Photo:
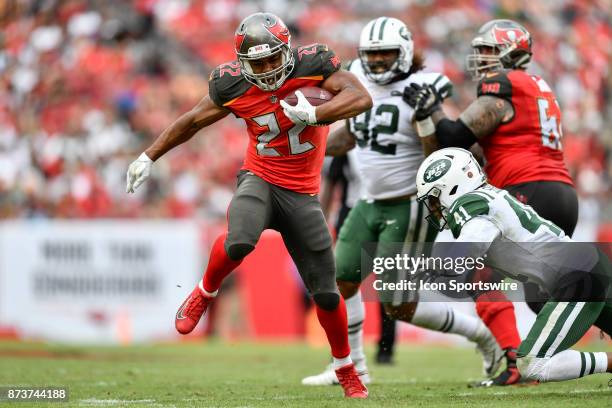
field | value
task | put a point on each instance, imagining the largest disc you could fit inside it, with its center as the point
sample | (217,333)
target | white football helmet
(386,33)
(443,177)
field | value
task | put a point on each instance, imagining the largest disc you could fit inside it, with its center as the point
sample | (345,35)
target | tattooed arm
(339,142)
(479,120)
(205,113)
(485,115)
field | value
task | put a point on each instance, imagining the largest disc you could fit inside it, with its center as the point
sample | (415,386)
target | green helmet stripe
(372,29)
(382,29)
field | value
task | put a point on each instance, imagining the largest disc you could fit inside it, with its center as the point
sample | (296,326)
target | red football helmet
(262,35)
(499,44)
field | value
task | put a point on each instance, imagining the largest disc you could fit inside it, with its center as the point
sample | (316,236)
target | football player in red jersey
(279,180)
(517,121)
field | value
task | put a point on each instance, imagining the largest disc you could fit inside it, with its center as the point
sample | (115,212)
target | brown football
(316,96)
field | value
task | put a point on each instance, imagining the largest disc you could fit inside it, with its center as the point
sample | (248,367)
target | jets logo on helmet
(381,34)
(436,170)
(509,44)
(262,35)
(443,177)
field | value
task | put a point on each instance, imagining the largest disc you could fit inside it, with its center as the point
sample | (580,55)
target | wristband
(144,157)
(425,127)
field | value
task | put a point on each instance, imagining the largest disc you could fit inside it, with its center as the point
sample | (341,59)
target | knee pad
(532,368)
(237,252)
(327,301)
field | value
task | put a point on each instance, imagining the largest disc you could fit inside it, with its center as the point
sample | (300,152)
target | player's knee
(327,301)
(533,368)
(238,251)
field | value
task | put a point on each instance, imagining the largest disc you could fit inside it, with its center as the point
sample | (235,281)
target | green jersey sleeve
(464,209)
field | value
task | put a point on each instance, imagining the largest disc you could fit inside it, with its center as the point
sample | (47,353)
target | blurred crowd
(86,85)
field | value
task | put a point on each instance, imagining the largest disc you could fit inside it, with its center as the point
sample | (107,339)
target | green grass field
(268,375)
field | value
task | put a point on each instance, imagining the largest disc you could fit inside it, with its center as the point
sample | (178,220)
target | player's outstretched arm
(479,120)
(205,113)
(351,98)
(339,142)
(485,114)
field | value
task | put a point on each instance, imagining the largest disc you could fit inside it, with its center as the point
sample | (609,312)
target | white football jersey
(389,149)
(516,240)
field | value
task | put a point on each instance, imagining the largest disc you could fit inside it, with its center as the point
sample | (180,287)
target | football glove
(428,100)
(302,113)
(138,172)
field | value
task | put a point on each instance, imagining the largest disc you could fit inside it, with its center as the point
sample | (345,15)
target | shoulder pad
(226,83)
(466,208)
(315,60)
(352,64)
(496,84)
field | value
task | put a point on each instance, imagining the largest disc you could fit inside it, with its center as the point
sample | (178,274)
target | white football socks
(440,317)
(566,365)
(341,362)
(205,292)
(355,312)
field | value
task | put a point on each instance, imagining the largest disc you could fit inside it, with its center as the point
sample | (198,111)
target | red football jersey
(279,151)
(527,147)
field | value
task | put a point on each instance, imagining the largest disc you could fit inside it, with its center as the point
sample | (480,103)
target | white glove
(302,113)
(138,172)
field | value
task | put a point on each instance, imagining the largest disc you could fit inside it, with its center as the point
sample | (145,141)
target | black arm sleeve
(454,133)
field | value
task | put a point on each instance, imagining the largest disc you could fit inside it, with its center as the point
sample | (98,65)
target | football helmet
(262,35)
(443,177)
(386,33)
(510,45)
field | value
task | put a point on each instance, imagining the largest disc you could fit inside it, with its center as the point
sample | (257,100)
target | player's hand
(302,113)
(428,101)
(138,172)
(410,94)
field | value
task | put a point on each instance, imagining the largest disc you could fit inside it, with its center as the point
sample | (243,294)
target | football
(315,95)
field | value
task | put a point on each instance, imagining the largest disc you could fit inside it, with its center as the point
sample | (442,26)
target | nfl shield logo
(273,99)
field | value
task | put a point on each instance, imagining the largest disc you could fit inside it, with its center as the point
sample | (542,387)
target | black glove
(428,101)
(410,94)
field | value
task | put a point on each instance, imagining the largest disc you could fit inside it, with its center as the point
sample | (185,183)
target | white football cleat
(492,354)
(328,377)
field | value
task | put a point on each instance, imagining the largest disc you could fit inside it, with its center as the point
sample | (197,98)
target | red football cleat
(350,382)
(191,311)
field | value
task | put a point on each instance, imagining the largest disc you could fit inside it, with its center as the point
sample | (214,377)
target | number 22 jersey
(282,153)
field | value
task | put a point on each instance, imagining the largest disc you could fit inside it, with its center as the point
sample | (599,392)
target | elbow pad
(454,133)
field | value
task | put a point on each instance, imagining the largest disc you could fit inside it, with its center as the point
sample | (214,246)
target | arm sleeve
(454,133)
(330,62)
(212,90)
(496,84)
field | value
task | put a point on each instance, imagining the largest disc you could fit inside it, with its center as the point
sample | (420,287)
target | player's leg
(306,236)
(249,214)
(353,234)
(497,313)
(544,354)
(564,214)
(413,229)
(356,231)
(386,342)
